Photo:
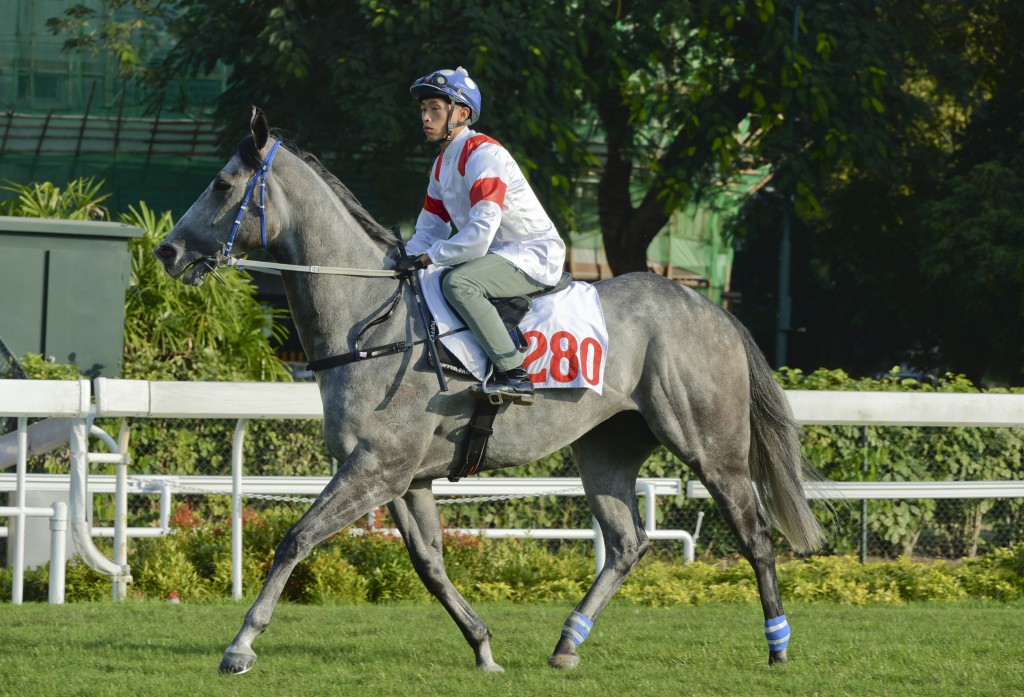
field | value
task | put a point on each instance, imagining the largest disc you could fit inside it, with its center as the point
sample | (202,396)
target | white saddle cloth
(566,330)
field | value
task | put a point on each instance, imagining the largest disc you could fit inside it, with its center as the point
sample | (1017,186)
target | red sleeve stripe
(436,206)
(472,144)
(487,189)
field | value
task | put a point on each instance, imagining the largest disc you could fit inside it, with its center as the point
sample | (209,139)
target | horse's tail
(777,464)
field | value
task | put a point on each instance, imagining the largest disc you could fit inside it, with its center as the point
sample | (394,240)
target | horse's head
(216,226)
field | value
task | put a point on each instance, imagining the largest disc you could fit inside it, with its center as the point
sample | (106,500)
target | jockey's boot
(515,383)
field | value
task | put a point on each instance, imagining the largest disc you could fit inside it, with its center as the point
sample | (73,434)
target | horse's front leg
(355,489)
(416,516)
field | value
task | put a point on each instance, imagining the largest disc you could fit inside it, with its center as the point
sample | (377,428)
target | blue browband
(260,177)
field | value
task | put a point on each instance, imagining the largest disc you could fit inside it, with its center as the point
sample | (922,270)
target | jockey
(504,244)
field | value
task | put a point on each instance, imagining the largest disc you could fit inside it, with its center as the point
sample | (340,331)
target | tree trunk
(974,529)
(626,230)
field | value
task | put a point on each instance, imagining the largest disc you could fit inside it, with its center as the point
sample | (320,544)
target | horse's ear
(259,128)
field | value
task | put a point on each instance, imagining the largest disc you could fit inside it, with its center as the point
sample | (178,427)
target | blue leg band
(577,627)
(776,631)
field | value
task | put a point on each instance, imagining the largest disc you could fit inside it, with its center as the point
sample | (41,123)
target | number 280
(568,357)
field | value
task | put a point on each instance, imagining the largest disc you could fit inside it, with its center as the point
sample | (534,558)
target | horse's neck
(328,310)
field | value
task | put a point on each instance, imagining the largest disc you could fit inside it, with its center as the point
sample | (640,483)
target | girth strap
(373,352)
(361,355)
(478,433)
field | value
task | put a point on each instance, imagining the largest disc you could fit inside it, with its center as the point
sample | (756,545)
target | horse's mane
(251,156)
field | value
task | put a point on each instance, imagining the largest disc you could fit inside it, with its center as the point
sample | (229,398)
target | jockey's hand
(407,264)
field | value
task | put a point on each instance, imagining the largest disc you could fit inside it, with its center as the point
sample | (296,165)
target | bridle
(224,259)
(258,178)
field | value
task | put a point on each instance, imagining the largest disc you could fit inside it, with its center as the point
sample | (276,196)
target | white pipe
(97,432)
(131,532)
(58,551)
(18,582)
(103,458)
(650,505)
(43,437)
(19,514)
(79,493)
(599,550)
(236,508)
(165,507)
(121,508)
(29,511)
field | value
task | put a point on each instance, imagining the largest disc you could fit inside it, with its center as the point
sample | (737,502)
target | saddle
(479,429)
(512,311)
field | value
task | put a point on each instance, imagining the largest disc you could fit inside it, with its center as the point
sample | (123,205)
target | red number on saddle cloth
(538,351)
(567,357)
(589,346)
(558,354)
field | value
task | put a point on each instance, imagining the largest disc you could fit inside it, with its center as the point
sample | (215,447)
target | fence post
(121,509)
(236,508)
(864,502)
(599,552)
(58,551)
(18,580)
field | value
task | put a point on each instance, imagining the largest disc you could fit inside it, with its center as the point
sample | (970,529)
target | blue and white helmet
(450,85)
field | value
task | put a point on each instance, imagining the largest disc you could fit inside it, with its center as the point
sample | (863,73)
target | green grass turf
(143,648)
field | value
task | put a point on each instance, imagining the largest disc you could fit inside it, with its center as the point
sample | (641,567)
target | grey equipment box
(62,290)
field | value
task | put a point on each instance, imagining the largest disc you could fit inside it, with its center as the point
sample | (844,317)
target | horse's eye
(220,184)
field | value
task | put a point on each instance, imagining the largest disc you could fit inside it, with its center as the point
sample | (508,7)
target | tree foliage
(869,119)
(80,199)
(664,88)
(175,332)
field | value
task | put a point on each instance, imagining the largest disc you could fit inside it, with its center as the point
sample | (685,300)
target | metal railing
(245,401)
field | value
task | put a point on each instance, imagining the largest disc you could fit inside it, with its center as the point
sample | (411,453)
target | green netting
(37,76)
(167,184)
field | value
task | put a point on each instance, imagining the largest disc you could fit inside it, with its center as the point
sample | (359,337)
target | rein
(270,267)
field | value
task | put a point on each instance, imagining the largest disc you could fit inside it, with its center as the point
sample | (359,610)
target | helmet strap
(451,126)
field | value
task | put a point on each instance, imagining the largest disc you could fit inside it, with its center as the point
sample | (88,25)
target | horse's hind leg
(609,458)
(415,515)
(722,466)
(734,494)
(711,431)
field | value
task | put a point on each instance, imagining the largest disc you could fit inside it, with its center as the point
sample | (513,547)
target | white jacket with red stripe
(476,185)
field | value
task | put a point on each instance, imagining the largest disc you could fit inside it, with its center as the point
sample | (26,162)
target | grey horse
(680,371)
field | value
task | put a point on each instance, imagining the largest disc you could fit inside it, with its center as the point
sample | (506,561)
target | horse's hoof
(775,657)
(564,661)
(491,667)
(237,662)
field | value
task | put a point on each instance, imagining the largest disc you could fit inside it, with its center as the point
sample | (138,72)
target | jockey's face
(434,117)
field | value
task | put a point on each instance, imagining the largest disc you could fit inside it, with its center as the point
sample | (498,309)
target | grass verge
(151,648)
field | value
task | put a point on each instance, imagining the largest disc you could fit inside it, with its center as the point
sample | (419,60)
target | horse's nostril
(165,251)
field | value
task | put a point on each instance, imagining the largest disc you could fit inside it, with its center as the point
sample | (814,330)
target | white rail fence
(71,400)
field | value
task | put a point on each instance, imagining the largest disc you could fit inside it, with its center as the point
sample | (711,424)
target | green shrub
(38,368)
(165,568)
(995,576)
(333,579)
(370,567)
